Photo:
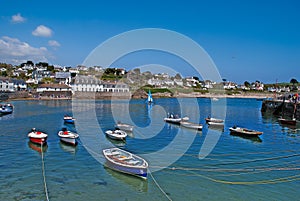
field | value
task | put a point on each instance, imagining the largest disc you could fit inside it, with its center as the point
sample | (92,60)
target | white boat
(191,125)
(126,162)
(172,120)
(244,131)
(37,137)
(116,134)
(175,119)
(124,127)
(68,137)
(6,109)
(214,121)
(69,119)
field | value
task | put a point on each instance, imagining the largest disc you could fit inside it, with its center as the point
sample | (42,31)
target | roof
(57,86)
(62,75)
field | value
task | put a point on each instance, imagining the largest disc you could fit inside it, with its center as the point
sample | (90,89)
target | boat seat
(122,158)
(133,162)
(113,153)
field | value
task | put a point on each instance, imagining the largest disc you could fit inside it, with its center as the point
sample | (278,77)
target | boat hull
(245,132)
(40,141)
(214,121)
(116,135)
(138,172)
(115,138)
(69,121)
(124,127)
(173,121)
(211,123)
(288,122)
(191,125)
(71,141)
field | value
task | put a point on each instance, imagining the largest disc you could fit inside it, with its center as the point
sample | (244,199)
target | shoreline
(157,95)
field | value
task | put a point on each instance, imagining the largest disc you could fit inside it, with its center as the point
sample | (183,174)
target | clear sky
(247,40)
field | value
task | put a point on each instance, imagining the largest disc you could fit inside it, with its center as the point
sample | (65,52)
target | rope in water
(44,175)
(156,183)
(268,181)
(158,186)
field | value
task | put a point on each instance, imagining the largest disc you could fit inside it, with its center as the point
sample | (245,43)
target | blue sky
(247,40)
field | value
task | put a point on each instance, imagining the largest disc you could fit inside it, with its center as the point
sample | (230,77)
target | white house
(19,85)
(230,85)
(91,84)
(53,88)
(6,85)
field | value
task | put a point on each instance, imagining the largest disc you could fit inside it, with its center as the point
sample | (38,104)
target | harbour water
(237,168)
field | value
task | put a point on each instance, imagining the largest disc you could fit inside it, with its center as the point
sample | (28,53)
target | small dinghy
(68,137)
(37,137)
(191,125)
(124,127)
(126,162)
(244,131)
(69,119)
(116,134)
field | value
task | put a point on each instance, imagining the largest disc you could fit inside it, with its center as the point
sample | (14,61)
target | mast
(150,100)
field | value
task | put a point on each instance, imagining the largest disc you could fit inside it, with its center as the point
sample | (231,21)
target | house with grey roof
(6,85)
(63,77)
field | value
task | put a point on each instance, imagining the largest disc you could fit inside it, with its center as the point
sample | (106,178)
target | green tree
(50,68)
(293,81)
(247,84)
(137,71)
(178,76)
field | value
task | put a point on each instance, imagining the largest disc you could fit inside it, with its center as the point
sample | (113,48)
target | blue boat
(69,119)
(125,162)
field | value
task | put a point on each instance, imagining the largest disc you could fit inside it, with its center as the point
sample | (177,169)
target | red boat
(37,137)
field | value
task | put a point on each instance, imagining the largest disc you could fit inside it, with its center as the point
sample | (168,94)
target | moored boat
(126,162)
(292,122)
(172,120)
(175,119)
(6,109)
(37,137)
(68,137)
(244,131)
(214,121)
(116,134)
(69,119)
(124,127)
(191,125)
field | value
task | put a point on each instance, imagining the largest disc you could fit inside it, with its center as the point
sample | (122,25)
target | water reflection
(37,147)
(118,143)
(68,148)
(136,183)
(217,127)
(255,139)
